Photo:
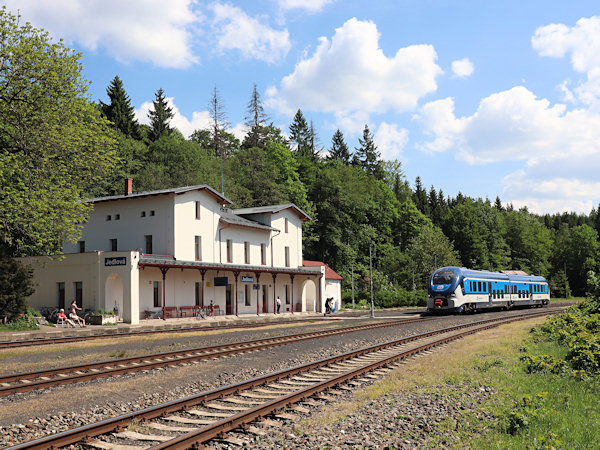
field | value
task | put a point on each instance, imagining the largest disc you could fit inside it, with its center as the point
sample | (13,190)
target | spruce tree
(119,111)
(255,121)
(368,155)
(339,148)
(300,133)
(160,117)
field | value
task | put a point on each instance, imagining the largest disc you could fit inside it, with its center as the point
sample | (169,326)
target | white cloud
(311,6)
(560,149)
(235,30)
(200,119)
(136,30)
(582,41)
(350,75)
(390,140)
(462,68)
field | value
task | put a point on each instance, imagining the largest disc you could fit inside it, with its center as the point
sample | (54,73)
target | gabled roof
(272,209)
(177,191)
(330,274)
(234,219)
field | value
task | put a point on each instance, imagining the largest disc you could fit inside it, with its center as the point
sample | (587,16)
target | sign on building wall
(221,281)
(116,261)
(247,279)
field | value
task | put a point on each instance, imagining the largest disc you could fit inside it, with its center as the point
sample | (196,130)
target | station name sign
(117,261)
(247,279)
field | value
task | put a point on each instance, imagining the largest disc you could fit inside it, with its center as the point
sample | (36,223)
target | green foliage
(160,116)
(16,284)
(19,324)
(120,111)
(524,411)
(53,143)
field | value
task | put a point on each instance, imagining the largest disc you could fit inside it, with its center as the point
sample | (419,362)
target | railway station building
(147,253)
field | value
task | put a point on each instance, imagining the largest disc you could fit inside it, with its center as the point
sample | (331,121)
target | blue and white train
(460,290)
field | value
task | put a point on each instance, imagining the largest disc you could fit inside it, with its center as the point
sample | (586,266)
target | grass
(525,411)
(19,325)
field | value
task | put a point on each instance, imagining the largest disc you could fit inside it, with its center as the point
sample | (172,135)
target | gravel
(32,415)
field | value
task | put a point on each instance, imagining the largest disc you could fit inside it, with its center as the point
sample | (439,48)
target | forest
(58,147)
(359,203)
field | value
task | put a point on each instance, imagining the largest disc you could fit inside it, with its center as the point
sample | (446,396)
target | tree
(368,155)
(160,116)
(300,133)
(255,120)
(420,197)
(339,149)
(16,284)
(219,122)
(54,144)
(119,111)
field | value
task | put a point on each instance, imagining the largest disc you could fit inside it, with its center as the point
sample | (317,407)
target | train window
(444,277)
(489,289)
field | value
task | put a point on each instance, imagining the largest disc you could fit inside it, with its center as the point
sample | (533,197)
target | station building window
(156,294)
(198,248)
(263,254)
(247,252)
(287,257)
(148,239)
(113,245)
(198,210)
(81,245)
(229,251)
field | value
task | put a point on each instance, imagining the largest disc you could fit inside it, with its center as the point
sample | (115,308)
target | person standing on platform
(278,304)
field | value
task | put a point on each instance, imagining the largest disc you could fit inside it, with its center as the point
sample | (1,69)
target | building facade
(149,252)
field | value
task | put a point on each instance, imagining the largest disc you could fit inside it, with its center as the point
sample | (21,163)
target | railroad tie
(255,430)
(110,446)
(225,407)
(197,412)
(163,427)
(301,409)
(239,401)
(263,396)
(187,420)
(135,436)
(286,416)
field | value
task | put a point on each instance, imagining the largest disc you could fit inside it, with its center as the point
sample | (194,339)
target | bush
(16,284)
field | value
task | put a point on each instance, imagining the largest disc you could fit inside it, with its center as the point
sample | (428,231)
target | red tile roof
(330,274)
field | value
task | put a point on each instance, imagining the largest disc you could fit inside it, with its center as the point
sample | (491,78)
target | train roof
(463,271)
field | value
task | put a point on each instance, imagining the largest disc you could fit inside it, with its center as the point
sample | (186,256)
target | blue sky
(497,98)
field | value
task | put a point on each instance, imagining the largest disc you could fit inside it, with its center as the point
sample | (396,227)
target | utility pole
(566,292)
(371,270)
(353,284)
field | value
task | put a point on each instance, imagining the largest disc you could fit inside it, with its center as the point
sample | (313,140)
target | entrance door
(265,306)
(228,302)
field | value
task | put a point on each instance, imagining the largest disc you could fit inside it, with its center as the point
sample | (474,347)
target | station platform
(184,323)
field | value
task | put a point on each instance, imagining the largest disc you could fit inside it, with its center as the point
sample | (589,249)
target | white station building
(146,253)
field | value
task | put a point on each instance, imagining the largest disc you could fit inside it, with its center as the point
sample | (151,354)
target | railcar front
(444,291)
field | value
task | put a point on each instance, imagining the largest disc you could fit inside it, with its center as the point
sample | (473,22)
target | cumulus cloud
(311,6)
(200,119)
(137,30)
(349,74)
(462,68)
(236,30)
(582,42)
(558,148)
(390,140)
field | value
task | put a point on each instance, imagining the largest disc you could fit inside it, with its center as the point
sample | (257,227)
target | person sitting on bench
(62,316)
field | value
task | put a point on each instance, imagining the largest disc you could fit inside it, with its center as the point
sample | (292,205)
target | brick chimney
(128,186)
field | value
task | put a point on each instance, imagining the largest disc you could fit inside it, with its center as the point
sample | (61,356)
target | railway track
(28,381)
(181,329)
(192,421)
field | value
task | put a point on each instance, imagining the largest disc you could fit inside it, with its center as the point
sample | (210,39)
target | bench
(192,311)
(171,311)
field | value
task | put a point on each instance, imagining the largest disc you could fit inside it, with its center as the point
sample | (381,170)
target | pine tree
(119,111)
(255,121)
(219,122)
(368,155)
(300,133)
(339,148)
(160,117)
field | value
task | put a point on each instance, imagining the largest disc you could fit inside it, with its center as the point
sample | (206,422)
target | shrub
(16,284)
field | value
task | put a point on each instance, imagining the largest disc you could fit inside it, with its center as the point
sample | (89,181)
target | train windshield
(443,277)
